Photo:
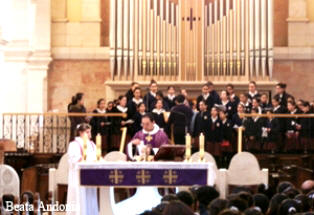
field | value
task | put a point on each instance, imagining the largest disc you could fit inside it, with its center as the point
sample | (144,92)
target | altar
(145,176)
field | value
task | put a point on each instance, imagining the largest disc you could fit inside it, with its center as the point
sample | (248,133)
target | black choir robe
(150,101)
(159,118)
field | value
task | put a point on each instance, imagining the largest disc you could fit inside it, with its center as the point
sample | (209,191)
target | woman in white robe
(86,195)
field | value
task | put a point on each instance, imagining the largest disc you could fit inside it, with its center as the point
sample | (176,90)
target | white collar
(122,109)
(214,119)
(225,103)
(232,96)
(255,118)
(171,97)
(246,104)
(293,112)
(153,94)
(101,111)
(253,94)
(142,113)
(137,101)
(205,96)
(158,111)
(225,120)
(154,131)
(276,108)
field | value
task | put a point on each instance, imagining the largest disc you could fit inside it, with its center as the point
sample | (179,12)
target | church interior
(157,107)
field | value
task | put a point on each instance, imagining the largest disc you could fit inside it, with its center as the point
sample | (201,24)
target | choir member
(118,123)
(245,102)
(253,93)
(130,94)
(179,120)
(75,155)
(205,96)
(76,106)
(187,101)
(213,134)
(281,94)
(150,136)
(213,93)
(299,104)
(264,104)
(110,106)
(160,96)
(253,132)
(134,102)
(305,127)
(292,133)
(137,118)
(271,133)
(150,97)
(200,123)
(100,124)
(227,105)
(232,96)
(209,95)
(279,109)
(226,143)
(237,121)
(158,113)
(256,104)
(170,98)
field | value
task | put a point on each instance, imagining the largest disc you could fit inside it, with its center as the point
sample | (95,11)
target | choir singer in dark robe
(151,135)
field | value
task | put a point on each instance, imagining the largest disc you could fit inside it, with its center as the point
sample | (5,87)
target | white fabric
(158,111)
(140,201)
(122,109)
(141,145)
(171,97)
(101,111)
(137,102)
(74,191)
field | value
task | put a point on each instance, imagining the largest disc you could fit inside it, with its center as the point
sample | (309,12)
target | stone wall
(67,77)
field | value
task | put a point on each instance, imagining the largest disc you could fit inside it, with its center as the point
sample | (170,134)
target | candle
(202,146)
(188,147)
(98,146)
(240,129)
(85,139)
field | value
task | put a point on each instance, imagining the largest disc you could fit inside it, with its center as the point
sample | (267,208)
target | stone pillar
(26,56)
(298,24)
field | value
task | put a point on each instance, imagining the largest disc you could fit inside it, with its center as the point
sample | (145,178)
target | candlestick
(188,147)
(85,139)
(98,147)
(240,130)
(202,146)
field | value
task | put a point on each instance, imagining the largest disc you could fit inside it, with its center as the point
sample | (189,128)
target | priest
(150,135)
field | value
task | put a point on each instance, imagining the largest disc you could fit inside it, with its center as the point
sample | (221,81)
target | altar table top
(134,174)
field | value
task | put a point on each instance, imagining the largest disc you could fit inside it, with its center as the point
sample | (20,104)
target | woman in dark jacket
(76,106)
(100,125)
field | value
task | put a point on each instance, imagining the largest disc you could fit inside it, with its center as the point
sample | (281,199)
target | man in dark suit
(281,94)
(129,95)
(179,120)
(209,96)
(150,98)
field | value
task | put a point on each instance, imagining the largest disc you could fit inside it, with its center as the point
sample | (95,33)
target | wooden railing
(41,132)
(240,129)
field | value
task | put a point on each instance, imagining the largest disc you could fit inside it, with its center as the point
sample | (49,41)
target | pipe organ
(191,40)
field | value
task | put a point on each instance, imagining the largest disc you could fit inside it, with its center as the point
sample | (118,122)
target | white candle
(188,147)
(202,146)
(98,146)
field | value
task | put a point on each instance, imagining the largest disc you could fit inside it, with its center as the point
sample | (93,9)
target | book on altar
(170,153)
